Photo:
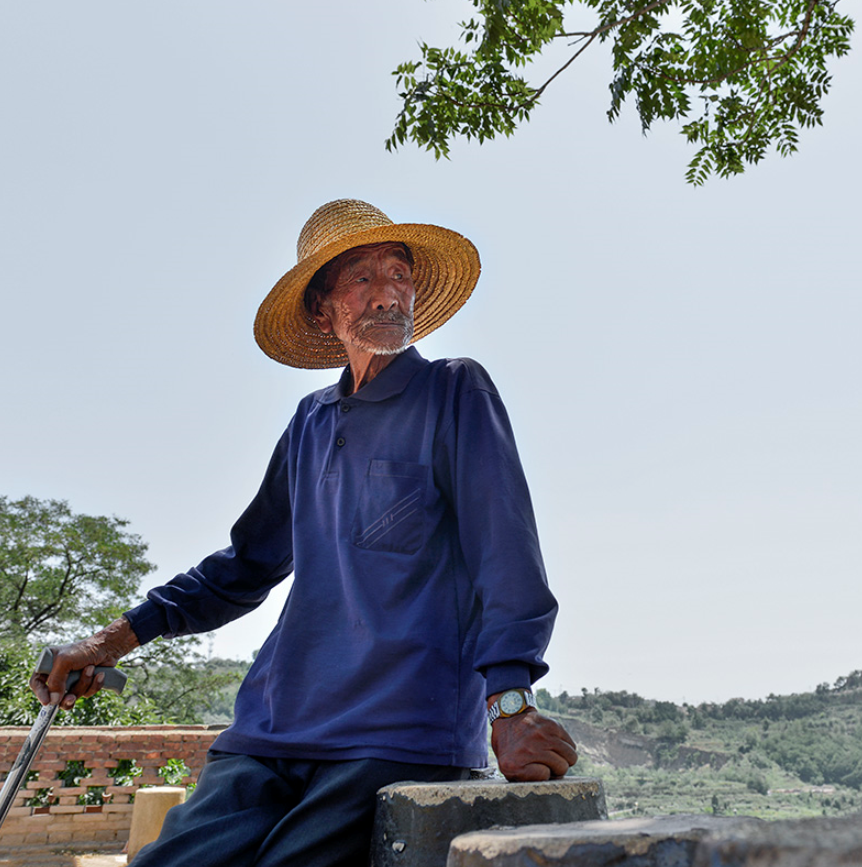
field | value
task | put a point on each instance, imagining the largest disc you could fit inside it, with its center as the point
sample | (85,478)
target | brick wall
(64,818)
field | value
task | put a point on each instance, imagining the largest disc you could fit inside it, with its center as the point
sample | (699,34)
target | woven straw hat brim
(445,271)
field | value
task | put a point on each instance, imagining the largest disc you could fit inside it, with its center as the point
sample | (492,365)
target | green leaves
(461,95)
(19,706)
(174,772)
(743,76)
(61,573)
(65,575)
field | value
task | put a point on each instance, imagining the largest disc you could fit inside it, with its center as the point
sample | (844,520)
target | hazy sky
(682,366)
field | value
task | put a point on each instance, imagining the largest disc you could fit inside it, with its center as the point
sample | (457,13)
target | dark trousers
(267,812)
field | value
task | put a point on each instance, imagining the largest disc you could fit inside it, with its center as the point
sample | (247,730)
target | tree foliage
(181,684)
(19,706)
(63,576)
(742,76)
(818,751)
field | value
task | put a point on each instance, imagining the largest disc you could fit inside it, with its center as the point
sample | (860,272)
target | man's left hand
(531,747)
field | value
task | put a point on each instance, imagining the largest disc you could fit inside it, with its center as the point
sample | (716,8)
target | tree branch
(606,27)
(766,84)
(569,62)
(803,33)
(590,36)
(17,605)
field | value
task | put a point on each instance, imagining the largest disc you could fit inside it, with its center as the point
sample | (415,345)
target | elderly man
(419,604)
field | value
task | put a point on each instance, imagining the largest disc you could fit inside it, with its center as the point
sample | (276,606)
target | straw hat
(446,268)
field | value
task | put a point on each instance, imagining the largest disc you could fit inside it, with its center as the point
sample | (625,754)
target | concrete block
(104,835)
(118,808)
(821,842)
(121,790)
(38,819)
(151,806)
(67,821)
(663,841)
(415,822)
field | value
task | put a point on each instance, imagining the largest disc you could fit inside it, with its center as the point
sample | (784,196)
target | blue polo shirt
(403,513)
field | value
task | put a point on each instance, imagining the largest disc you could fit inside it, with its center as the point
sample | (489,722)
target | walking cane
(114,680)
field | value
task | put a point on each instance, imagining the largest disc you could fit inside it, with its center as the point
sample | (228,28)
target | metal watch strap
(495,713)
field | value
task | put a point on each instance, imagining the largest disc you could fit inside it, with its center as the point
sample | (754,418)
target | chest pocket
(391,514)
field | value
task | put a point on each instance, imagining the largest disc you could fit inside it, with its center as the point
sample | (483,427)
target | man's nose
(385,295)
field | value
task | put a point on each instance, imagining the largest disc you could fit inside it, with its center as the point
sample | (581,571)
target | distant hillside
(625,750)
(776,757)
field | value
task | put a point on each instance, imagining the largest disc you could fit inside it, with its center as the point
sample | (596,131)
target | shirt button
(345,407)
(340,441)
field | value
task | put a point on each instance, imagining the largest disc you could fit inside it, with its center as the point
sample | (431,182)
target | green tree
(672,733)
(744,76)
(181,684)
(19,707)
(65,575)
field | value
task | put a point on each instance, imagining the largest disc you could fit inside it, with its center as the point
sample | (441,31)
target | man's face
(370,307)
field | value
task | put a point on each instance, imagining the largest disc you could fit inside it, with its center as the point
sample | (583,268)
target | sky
(681,366)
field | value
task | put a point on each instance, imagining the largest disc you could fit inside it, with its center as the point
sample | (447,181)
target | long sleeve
(499,539)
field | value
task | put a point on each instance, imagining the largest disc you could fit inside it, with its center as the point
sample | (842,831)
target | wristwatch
(511,703)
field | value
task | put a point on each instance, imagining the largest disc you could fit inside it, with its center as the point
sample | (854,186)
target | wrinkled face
(370,305)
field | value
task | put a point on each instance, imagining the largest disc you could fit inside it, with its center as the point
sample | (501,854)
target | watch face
(511,702)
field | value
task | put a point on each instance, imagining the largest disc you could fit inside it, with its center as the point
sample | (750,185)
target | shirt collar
(390,381)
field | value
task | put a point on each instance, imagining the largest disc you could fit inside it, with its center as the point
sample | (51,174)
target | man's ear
(322,318)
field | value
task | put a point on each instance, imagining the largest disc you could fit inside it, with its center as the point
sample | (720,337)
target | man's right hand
(531,747)
(105,648)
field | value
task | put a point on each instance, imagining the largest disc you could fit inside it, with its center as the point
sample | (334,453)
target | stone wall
(667,841)
(48,810)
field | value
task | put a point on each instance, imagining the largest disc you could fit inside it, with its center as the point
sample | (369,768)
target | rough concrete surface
(703,841)
(799,843)
(663,841)
(471,791)
(415,822)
